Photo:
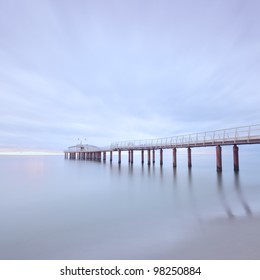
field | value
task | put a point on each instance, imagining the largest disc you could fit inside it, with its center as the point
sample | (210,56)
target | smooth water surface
(52,208)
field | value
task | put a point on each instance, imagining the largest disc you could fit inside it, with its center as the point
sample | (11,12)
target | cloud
(122,70)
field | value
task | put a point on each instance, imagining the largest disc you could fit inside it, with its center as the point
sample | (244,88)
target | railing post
(249,130)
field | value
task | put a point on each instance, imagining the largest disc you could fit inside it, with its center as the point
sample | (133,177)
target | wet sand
(220,239)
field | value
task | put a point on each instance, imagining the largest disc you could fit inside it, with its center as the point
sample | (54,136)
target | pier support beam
(104,156)
(189,157)
(235,157)
(142,156)
(161,156)
(131,156)
(119,156)
(153,153)
(148,157)
(174,157)
(219,158)
(111,156)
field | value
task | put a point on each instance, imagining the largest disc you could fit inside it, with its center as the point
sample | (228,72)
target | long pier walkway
(232,136)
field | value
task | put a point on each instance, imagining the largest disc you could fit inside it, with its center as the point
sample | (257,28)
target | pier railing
(237,135)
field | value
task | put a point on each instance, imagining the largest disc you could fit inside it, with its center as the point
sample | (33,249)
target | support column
(189,157)
(119,156)
(219,158)
(129,156)
(132,156)
(111,156)
(235,157)
(161,156)
(142,156)
(174,157)
(153,153)
(148,157)
(104,156)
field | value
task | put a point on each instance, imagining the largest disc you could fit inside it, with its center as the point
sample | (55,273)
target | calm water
(52,208)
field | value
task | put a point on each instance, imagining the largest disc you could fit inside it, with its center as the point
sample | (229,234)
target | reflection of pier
(239,193)
(218,138)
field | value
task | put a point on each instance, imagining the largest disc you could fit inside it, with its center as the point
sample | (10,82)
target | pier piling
(161,156)
(189,157)
(131,156)
(119,156)
(153,153)
(148,156)
(174,157)
(235,157)
(219,158)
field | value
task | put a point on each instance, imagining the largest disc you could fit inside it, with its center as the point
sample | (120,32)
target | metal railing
(237,135)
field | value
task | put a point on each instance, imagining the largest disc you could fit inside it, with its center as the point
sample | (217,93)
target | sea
(55,208)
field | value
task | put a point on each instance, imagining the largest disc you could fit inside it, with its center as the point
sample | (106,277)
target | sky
(108,70)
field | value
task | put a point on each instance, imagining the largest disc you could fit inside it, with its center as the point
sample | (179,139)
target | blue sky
(118,70)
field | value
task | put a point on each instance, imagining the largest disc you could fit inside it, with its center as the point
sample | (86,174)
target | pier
(225,137)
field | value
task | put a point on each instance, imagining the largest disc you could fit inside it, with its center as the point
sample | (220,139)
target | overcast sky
(109,70)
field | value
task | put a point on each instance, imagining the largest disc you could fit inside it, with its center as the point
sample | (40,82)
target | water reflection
(222,195)
(175,176)
(238,191)
(240,194)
